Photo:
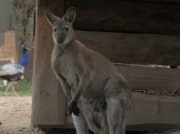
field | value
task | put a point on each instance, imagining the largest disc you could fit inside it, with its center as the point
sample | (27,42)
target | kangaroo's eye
(54,29)
(66,29)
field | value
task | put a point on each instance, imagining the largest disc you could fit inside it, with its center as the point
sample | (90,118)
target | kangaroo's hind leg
(118,106)
(117,114)
(80,124)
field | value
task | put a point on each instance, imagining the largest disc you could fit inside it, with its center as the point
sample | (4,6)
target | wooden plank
(155,1)
(134,48)
(177,132)
(150,113)
(151,78)
(148,109)
(48,106)
(153,113)
(124,16)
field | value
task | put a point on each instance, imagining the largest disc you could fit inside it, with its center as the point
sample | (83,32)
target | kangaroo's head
(62,27)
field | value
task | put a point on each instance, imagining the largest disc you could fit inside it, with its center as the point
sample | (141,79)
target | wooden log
(48,104)
(124,16)
(134,48)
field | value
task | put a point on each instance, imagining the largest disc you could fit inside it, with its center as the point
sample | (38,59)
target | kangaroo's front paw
(73,108)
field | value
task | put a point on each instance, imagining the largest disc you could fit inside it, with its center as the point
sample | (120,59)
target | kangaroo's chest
(65,66)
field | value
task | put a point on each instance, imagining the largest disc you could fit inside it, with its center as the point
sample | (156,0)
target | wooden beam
(155,1)
(48,104)
(134,48)
(151,78)
(128,17)
(149,109)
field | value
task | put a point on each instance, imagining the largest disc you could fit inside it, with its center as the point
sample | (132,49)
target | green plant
(22,88)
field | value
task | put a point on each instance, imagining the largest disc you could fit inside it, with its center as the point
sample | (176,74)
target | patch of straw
(162,92)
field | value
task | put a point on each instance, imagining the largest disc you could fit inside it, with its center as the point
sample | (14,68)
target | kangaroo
(98,96)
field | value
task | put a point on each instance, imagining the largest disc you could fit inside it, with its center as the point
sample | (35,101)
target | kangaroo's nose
(60,39)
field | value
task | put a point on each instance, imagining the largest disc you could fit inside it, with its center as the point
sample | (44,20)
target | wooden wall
(133,32)
(127,16)
(123,31)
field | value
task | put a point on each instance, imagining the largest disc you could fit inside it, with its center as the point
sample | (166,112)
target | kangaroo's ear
(51,18)
(70,15)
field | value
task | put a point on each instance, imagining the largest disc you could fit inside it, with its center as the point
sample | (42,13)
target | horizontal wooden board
(149,109)
(127,16)
(133,48)
(150,113)
(151,78)
(154,1)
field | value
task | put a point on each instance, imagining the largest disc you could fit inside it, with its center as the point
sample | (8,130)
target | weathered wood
(151,78)
(155,1)
(48,106)
(154,112)
(123,16)
(134,48)
(150,113)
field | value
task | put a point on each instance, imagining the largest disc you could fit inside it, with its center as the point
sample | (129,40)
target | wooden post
(48,103)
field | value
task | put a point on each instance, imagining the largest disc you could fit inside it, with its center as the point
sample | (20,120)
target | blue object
(24,59)
(15,71)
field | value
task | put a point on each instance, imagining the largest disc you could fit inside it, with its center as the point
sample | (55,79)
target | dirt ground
(15,115)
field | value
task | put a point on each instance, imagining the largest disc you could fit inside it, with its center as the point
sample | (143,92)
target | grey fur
(99,97)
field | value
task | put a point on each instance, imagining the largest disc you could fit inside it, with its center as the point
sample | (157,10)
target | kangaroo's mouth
(59,40)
